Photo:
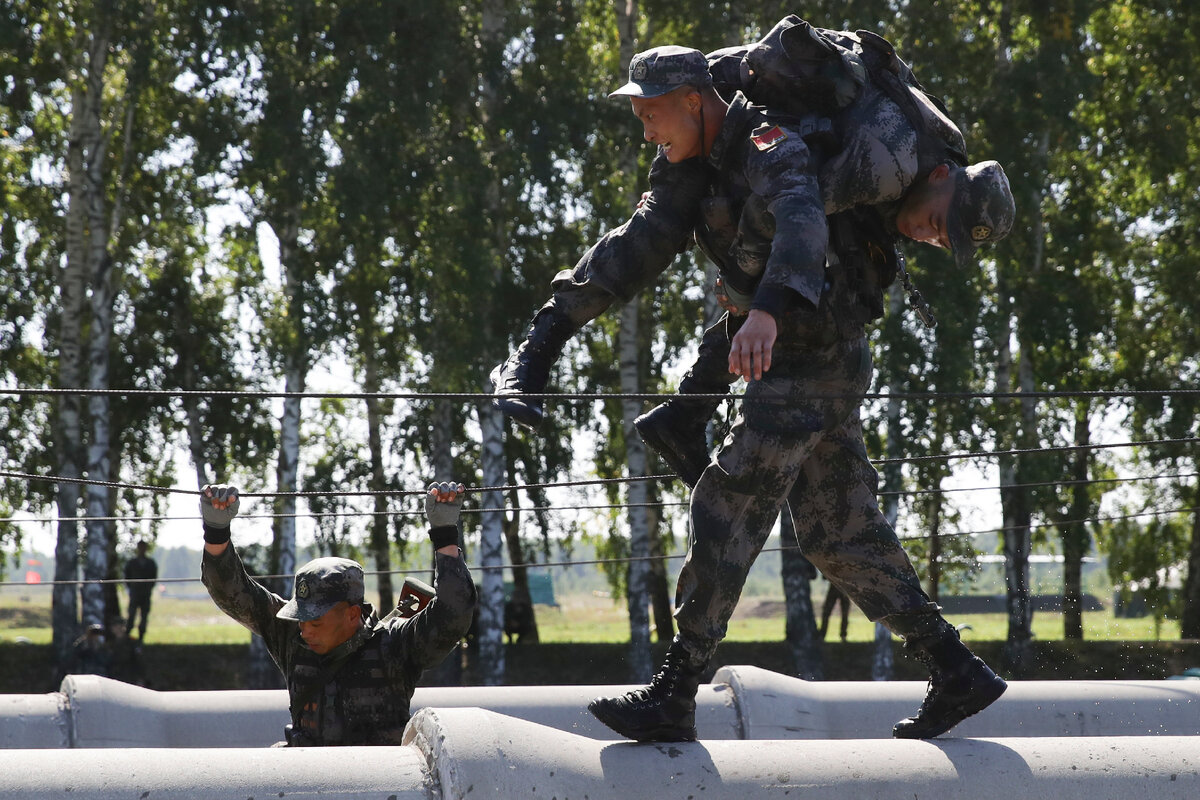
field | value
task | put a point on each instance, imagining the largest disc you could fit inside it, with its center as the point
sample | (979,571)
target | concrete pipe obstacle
(742,703)
(471,753)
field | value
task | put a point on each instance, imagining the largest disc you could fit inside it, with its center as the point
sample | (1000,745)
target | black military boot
(664,711)
(960,684)
(527,370)
(676,430)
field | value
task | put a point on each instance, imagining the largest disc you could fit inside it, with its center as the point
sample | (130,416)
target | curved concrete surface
(34,720)
(471,753)
(480,754)
(774,706)
(324,773)
(742,703)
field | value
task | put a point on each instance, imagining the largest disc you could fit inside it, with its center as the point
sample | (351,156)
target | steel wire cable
(594,396)
(571,507)
(622,559)
(591,481)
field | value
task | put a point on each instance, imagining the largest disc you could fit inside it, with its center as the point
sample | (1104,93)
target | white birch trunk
(295,380)
(101,499)
(69,431)
(86,244)
(490,632)
(286,477)
(638,584)
(99,465)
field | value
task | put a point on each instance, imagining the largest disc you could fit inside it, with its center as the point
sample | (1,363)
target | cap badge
(980,233)
(302,589)
(638,73)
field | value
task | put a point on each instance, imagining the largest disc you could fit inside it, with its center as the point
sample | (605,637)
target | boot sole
(984,698)
(657,733)
(686,468)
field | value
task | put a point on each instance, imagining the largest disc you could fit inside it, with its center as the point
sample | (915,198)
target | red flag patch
(768,138)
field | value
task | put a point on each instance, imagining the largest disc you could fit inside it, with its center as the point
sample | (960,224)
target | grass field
(579,618)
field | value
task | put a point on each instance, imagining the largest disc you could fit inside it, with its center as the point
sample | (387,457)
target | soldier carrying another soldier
(350,676)
(743,180)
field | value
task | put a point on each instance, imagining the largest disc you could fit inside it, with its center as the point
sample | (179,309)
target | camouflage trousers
(798,439)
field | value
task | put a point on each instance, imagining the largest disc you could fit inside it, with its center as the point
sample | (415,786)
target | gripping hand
(218,505)
(442,504)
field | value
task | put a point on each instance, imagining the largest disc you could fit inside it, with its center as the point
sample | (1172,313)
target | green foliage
(1146,556)
(428,176)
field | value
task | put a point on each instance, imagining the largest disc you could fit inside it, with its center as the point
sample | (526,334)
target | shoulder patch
(766,138)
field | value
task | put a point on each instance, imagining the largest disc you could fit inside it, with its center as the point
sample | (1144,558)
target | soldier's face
(331,628)
(672,121)
(923,214)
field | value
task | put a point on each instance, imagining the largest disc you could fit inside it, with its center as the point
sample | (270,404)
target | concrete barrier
(472,753)
(742,703)
(479,754)
(774,706)
(34,720)
(324,773)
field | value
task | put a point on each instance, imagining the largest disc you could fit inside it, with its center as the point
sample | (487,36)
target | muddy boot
(960,684)
(664,711)
(527,370)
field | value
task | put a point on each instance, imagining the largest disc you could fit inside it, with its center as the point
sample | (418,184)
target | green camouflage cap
(982,210)
(659,70)
(320,585)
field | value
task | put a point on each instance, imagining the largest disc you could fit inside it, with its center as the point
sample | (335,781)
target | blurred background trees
(242,195)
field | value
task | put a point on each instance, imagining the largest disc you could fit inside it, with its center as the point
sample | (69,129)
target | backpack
(801,70)
(813,74)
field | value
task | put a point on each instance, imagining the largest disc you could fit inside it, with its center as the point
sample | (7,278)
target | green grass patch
(584,618)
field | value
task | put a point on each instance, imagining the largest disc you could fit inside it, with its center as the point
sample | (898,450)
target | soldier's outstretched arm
(623,262)
(427,637)
(223,574)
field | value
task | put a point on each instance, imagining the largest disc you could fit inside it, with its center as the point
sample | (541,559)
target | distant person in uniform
(350,676)
(141,571)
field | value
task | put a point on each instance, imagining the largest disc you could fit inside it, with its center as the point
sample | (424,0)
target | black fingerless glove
(442,536)
(216,535)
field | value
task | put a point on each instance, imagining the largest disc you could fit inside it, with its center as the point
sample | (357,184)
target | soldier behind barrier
(350,675)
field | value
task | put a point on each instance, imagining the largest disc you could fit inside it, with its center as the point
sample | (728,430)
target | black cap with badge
(320,585)
(982,210)
(659,70)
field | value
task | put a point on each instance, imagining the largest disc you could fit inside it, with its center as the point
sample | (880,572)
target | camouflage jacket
(877,159)
(763,222)
(359,693)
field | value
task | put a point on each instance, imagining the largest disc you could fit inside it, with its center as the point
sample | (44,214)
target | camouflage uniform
(878,158)
(358,693)
(797,437)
